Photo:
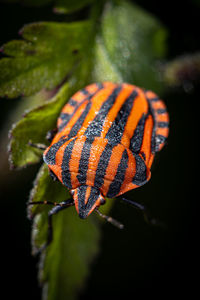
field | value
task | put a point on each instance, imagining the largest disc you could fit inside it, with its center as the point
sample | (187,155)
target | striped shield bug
(106,140)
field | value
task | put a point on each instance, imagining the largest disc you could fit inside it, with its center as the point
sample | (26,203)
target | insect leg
(38,146)
(110,220)
(54,211)
(44,202)
(57,207)
(144,210)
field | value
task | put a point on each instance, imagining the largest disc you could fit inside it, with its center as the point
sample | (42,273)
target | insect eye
(102,201)
(72,192)
(53,176)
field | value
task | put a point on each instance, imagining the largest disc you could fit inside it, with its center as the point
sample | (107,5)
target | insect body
(107,138)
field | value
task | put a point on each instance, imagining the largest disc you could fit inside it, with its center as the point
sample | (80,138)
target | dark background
(141,260)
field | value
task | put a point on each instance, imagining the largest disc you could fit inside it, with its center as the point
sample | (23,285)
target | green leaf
(67,260)
(29,127)
(74,245)
(43,189)
(68,6)
(104,69)
(38,121)
(34,126)
(44,59)
(129,45)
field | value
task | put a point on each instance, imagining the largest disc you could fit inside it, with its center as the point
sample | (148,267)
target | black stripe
(137,138)
(140,176)
(151,111)
(116,130)
(95,127)
(83,208)
(85,92)
(160,139)
(155,99)
(102,165)
(50,156)
(66,176)
(78,123)
(87,98)
(77,126)
(65,120)
(64,123)
(94,195)
(143,155)
(90,95)
(84,160)
(64,116)
(67,117)
(116,184)
(72,102)
(81,197)
(161,111)
(162,124)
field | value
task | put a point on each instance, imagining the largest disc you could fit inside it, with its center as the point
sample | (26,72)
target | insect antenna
(110,220)
(148,218)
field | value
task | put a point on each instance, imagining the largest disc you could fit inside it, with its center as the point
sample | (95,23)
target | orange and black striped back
(107,137)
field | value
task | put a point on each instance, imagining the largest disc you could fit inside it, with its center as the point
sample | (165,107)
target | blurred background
(141,260)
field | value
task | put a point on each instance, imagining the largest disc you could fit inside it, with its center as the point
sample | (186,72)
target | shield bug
(106,140)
